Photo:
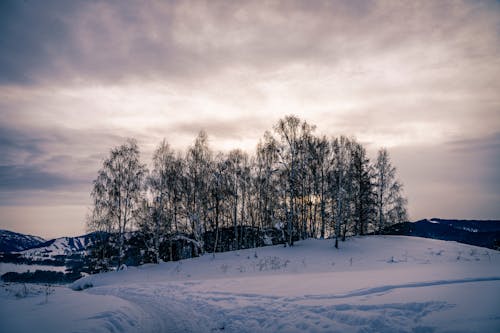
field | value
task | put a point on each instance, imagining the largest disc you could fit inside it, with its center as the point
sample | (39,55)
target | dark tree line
(296,182)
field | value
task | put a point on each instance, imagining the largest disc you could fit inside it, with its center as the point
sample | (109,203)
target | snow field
(372,284)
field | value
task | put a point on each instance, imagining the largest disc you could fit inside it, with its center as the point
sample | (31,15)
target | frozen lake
(9,267)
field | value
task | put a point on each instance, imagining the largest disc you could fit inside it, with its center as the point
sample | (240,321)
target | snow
(58,247)
(371,284)
(65,311)
(21,268)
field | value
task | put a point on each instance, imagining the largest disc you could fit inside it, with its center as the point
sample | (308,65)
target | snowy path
(179,308)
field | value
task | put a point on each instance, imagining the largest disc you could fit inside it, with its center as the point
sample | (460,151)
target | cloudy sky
(421,78)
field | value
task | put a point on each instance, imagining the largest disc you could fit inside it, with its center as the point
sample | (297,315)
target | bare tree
(363,191)
(218,190)
(237,162)
(340,191)
(267,180)
(160,209)
(290,130)
(302,184)
(198,160)
(117,193)
(390,202)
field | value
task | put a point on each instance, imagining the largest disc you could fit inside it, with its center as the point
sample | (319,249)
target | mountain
(12,241)
(475,232)
(470,225)
(63,246)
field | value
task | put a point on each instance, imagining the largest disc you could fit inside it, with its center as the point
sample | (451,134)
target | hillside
(62,246)
(475,232)
(12,241)
(34,253)
(371,284)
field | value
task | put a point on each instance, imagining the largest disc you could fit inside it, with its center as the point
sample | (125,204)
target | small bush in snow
(48,290)
(81,287)
(272,263)
(224,268)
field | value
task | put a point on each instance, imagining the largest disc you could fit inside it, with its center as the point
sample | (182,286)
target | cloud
(38,158)
(419,77)
(29,177)
(32,33)
(383,71)
(454,179)
(179,40)
(490,144)
(483,161)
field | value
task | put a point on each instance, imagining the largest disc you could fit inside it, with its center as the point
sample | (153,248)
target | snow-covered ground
(21,268)
(372,284)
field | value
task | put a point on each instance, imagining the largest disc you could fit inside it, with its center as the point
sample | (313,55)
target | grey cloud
(458,178)
(223,129)
(32,33)
(51,158)
(30,177)
(489,144)
(12,145)
(109,41)
(398,64)
(483,158)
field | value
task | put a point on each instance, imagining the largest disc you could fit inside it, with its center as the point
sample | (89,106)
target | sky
(421,78)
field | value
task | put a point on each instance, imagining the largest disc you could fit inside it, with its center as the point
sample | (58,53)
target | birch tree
(198,160)
(390,202)
(363,192)
(290,130)
(160,210)
(340,191)
(117,193)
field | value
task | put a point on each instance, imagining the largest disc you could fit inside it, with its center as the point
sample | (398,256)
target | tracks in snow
(177,307)
(359,292)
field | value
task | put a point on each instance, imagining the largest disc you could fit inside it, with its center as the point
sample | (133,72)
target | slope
(12,241)
(372,284)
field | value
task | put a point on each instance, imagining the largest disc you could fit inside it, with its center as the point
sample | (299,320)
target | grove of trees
(297,183)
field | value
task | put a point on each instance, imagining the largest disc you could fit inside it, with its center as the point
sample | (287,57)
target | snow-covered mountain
(474,232)
(61,246)
(12,241)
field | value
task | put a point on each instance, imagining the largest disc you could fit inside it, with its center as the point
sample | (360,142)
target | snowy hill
(63,246)
(470,225)
(474,232)
(12,241)
(371,284)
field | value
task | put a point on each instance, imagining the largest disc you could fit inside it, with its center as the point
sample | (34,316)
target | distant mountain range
(485,233)
(63,246)
(474,232)
(13,242)
(37,248)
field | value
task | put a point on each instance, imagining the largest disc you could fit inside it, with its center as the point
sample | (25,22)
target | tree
(320,166)
(266,180)
(117,193)
(290,130)
(159,214)
(341,189)
(304,185)
(198,163)
(237,162)
(390,202)
(363,193)
(218,189)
